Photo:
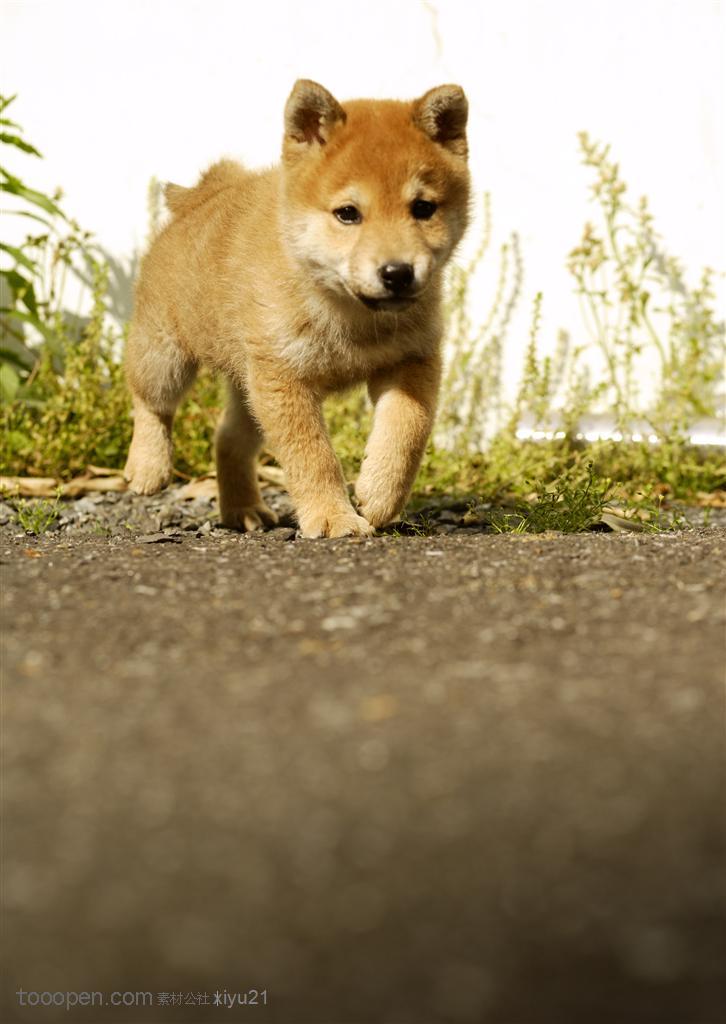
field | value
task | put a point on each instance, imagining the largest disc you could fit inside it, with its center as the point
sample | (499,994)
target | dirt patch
(462,777)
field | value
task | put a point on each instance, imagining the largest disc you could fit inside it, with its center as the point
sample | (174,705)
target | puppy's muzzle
(397,278)
(399,282)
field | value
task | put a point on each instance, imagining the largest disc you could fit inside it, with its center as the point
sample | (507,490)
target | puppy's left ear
(441,113)
(311,113)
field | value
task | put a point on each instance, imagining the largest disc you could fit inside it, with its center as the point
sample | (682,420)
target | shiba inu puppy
(303,280)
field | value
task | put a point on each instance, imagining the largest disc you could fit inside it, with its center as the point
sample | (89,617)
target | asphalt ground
(405,780)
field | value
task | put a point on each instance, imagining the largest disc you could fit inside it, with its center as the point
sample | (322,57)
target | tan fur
(256,276)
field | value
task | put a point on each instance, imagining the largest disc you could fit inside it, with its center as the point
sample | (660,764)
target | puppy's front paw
(249,517)
(147,477)
(379,511)
(379,498)
(335,524)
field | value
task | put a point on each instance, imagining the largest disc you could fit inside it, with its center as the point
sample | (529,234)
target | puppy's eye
(348,215)
(422,209)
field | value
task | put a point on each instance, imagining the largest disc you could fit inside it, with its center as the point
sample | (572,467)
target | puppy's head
(376,192)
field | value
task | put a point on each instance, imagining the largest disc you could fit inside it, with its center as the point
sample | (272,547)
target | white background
(114,93)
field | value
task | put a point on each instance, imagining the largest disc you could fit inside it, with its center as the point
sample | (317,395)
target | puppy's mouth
(389,304)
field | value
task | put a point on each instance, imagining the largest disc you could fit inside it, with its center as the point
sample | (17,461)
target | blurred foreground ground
(408,780)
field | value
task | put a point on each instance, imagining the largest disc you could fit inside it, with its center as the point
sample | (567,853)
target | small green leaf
(19,256)
(9,382)
(14,351)
(29,318)
(21,288)
(16,188)
(15,140)
(33,216)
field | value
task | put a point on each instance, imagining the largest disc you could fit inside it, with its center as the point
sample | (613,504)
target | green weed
(32,286)
(37,517)
(641,312)
(570,505)
(661,353)
(417,524)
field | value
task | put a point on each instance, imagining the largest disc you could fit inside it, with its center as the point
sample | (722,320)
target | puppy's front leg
(290,414)
(405,401)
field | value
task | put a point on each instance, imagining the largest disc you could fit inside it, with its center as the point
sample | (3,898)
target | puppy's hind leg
(237,443)
(158,373)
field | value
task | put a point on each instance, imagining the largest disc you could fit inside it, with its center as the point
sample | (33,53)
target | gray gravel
(405,780)
(114,514)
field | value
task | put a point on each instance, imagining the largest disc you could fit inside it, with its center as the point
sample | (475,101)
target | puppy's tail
(222,175)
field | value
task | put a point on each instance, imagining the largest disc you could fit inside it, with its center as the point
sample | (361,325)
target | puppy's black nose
(397,277)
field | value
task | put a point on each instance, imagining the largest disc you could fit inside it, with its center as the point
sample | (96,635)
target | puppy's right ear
(311,113)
